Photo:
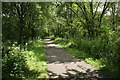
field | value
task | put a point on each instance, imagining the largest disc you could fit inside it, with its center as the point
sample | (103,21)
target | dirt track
(62,64)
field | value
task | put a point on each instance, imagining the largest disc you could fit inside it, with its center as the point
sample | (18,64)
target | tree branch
(96,10)
(104,9)
(76,15)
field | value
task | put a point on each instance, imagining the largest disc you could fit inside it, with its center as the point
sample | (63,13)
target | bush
(104,46)
(13,65)
(28,63)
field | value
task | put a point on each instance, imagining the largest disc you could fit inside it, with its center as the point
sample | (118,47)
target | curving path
(61,64)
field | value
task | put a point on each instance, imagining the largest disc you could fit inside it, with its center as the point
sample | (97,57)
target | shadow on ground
(74,74)
(61,64)
(56,54)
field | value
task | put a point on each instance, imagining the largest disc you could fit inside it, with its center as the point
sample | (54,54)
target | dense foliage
(23,50)
(92,28)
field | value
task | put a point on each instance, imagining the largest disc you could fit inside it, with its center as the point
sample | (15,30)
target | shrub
(13,65)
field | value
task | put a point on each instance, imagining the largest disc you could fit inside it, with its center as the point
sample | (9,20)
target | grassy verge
(79,54)
(100,64)
(28,63)
(36,59)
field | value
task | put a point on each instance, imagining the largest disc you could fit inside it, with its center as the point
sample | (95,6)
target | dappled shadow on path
(75,74)
(56,54)
(64,65)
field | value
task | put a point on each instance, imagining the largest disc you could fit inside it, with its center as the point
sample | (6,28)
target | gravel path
(61,64)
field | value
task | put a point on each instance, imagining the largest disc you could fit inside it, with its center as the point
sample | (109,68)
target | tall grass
(99,52)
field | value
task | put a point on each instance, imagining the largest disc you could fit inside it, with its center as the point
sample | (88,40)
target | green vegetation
(23,49)
(88,30)
(102,63)
(28,64)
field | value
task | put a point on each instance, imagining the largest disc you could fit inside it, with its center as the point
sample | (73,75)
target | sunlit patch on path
(62,64)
